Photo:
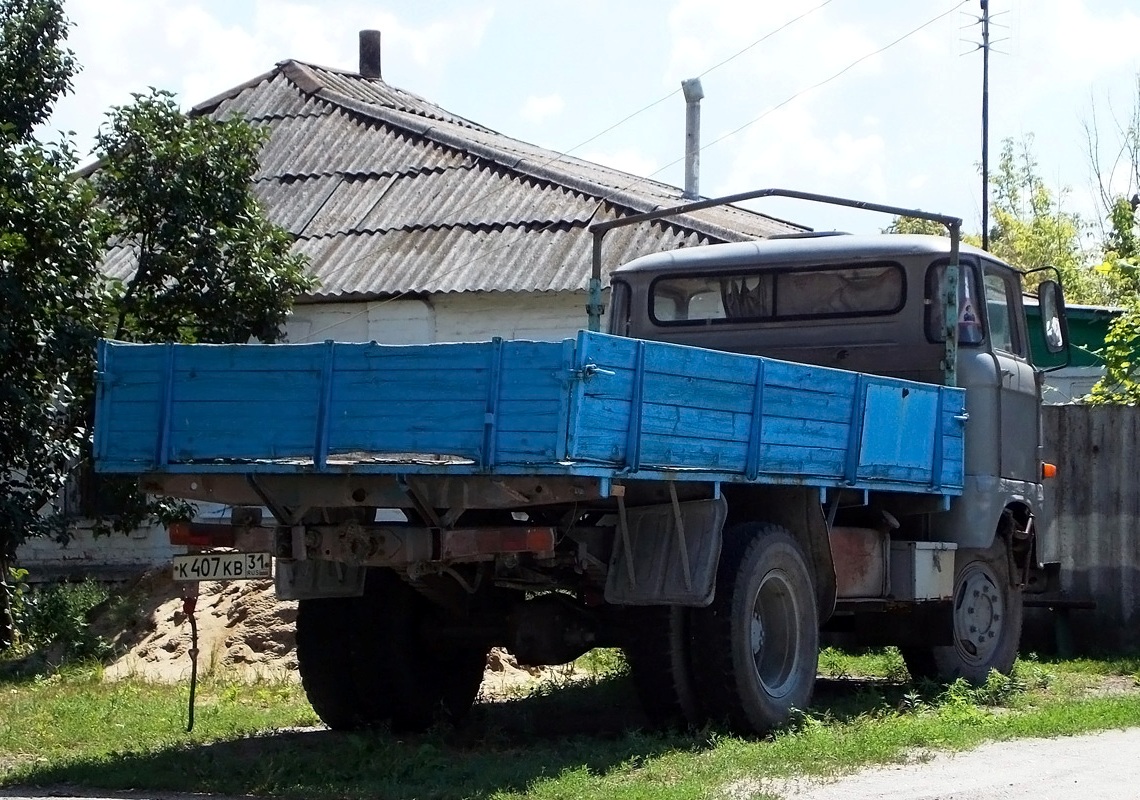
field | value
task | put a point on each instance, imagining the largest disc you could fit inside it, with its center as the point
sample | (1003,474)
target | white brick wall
(453,317)
(104,556)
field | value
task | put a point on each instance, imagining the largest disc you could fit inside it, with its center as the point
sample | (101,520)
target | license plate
(223,566)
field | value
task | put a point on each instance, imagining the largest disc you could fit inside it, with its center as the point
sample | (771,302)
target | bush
(55,617)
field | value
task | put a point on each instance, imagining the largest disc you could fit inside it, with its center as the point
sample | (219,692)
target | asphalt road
(1101,766)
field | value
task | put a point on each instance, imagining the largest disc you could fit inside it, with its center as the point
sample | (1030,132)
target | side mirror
(1051,301)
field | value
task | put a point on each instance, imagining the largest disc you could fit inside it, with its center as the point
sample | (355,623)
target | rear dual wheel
(364,662)
(657,648)
(757,646)
(750,658)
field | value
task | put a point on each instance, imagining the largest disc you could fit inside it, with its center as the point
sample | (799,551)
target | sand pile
(244,632)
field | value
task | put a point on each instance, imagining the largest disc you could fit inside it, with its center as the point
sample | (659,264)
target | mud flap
(667,554)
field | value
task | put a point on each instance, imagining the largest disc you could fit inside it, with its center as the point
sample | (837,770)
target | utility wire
(675,92)
(811,88)
(601,203)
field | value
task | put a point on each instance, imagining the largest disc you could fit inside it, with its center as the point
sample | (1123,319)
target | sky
(876,100)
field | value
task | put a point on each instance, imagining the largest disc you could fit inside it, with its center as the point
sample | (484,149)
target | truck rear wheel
(757,646)
(364,661)
(324,659)
(399,670)
(658,649)
(987,616)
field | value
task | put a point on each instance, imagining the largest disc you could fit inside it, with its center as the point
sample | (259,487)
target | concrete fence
(1095,519)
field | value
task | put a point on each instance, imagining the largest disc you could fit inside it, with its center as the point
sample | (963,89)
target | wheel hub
(774,633)
(979,613)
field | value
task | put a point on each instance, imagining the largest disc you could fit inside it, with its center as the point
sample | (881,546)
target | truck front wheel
(757,646)
(987,614)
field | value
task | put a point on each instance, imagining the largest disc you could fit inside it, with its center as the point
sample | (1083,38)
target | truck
(776,444)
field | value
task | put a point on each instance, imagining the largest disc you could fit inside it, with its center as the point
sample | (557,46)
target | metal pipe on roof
(370,54)
(693,96)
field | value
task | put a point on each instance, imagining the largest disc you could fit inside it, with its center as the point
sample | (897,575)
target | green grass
(885,663)
(581,741)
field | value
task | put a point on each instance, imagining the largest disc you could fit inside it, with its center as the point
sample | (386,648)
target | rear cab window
(756,295)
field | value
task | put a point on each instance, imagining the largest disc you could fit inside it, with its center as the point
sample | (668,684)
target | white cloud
(198,49)
(539,109)
(792,149)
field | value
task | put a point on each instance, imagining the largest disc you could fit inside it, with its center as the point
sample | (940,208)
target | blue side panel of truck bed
(599,405)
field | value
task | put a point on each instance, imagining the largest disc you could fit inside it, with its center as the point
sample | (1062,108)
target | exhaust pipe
(693,96)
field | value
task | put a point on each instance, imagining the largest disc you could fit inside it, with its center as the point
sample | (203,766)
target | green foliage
(1121,354)
(34,70)
(1031,229)
(56,616)
(14,598)
(916,225)
(210,266)
(49,283)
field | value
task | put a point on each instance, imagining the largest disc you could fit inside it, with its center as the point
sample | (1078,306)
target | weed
(864,663)
(55,617)
(1032,672)
(912,703)
(602,662)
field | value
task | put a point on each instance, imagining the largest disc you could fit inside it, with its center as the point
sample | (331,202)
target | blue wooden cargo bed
(597,405)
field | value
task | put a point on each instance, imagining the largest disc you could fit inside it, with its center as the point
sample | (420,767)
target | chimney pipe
(370,54)
(693,96)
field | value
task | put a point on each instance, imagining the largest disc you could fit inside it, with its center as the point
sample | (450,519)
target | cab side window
(969,314)
(1000,308)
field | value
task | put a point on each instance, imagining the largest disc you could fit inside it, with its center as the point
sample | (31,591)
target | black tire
(324,659)
(363,663)
(987,614)
(657,646)
(403,673)
(756,648)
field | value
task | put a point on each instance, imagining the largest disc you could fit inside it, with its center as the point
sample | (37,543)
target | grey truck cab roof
(792,249)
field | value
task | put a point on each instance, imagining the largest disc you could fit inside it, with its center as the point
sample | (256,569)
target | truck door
(1019,392)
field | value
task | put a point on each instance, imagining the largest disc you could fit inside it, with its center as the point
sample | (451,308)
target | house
(423,226)
(420,226)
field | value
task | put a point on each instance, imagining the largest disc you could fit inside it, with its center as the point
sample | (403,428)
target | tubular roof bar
(954,225)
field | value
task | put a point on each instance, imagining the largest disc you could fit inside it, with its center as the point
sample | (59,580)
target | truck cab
(875,304)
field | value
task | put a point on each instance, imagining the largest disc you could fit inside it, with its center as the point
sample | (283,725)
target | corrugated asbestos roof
(388,193)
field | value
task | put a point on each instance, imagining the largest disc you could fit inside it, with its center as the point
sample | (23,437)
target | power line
(813,87)
(675,92)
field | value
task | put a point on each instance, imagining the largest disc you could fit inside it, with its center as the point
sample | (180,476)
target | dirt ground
(244,631)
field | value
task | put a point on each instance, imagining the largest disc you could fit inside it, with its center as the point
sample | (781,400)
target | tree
(1031,229)
(1117,176)
(1121,381)
(916,225)
(210,267)
(50,289)
(1120,250)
